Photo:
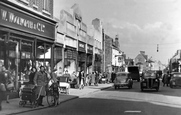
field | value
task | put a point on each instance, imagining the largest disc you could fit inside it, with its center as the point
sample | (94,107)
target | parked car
(175,79)
(123,79)
(149,80)
(134,72)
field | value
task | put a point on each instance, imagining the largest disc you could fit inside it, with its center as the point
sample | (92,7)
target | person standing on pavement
(2,87)
(96,78)
(32,75)
(7,82)
(41,81)
(93,78)
(73,80)
(81,77)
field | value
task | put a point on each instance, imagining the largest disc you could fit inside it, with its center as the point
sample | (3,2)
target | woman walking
(2,87)
(41,81)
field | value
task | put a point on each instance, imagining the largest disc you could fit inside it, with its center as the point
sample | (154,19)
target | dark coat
(41,80)
(31,77)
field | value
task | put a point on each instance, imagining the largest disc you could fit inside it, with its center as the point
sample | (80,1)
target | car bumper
(145,85)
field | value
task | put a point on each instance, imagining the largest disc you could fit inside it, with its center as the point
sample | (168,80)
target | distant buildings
(175,62)
(32,35)
(141,60)
(145,63)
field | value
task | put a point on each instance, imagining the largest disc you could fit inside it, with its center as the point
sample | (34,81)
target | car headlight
(156,80)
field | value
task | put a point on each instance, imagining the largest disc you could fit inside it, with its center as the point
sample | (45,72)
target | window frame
(25,1)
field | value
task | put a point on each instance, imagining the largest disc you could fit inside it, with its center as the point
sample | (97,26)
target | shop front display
(70,59)
(26,41)
(81,57)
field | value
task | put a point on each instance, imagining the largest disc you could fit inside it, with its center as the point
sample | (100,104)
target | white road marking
(130,111)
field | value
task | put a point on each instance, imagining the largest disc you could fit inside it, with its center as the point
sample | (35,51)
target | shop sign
(89,49)
(18,20)
(81,47)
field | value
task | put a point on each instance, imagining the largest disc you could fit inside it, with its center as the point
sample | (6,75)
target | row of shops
(28,39)
(175,62)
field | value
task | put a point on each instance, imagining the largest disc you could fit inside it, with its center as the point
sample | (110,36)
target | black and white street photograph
(90,57)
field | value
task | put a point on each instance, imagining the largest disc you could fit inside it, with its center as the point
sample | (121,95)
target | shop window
(43,55)
(26,60)
(57,55)
(25,1)
(13,61)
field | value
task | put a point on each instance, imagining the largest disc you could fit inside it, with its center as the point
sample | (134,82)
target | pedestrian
(32,75)
(165,79)
(54,76)
(66,74)
(96,78)
(89,79)
(81,77)
(2,87)
(41,81)
(73,80)
(8,83)
(114,76)
(55,85)
(93,78)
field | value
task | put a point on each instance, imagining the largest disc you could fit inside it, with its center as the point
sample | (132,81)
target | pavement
(13,107)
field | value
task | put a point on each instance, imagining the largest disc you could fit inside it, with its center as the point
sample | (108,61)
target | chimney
(117,41)
(142,52)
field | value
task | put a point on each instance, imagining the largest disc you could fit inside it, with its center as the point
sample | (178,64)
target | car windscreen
(122,75)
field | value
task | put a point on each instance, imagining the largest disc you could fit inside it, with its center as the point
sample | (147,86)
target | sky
(140,24)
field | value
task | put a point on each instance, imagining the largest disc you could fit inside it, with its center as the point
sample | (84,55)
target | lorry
(134,72)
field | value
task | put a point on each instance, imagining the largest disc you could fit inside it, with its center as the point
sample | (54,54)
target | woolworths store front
(26,41)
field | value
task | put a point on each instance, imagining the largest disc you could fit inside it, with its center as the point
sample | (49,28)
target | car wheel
(131,86)
(115,87)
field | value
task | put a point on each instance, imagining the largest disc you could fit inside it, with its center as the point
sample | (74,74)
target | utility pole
(104,41)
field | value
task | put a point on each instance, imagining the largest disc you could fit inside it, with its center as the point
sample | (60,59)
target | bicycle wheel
(50,98)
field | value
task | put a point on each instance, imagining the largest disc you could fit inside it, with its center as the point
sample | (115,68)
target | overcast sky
(140,24)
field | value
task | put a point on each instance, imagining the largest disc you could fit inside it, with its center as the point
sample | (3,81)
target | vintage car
(149,80)
(175,79)
(123,79)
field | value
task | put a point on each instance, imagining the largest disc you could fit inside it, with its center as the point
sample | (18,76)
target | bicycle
(52,94)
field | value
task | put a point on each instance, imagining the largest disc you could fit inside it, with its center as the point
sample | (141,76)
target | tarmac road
(120,102)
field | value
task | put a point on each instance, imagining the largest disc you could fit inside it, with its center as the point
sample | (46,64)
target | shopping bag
(2,87)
